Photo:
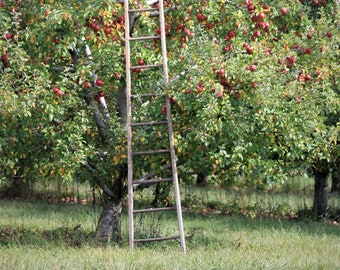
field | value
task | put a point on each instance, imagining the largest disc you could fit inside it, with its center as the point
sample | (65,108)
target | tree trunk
(108,227)
(201,180)
(320,192)
(19,188)
(336,179)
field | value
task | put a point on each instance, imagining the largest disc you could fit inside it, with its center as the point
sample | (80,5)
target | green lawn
(42,236)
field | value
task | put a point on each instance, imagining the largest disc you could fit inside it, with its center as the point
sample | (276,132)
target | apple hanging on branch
(99,82)
(57,91)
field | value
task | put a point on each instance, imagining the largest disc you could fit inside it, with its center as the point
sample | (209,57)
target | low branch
(150,175)
(102,185)
(101,126)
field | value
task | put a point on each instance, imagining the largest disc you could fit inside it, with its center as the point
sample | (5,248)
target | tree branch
(150,175)
(102,185)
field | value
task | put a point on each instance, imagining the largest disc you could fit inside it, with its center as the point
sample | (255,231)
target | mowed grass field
(40,235)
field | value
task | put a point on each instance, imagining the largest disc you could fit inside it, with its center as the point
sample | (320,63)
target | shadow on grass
(73,237)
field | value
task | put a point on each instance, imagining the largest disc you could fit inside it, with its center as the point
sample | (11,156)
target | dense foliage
(255,87)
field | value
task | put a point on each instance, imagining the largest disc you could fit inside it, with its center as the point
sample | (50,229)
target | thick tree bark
(18,188)
(320,192)
(121,102)
(336,179)
(108,227)
(202,180)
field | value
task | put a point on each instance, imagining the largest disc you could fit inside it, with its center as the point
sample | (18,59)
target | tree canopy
(254,86)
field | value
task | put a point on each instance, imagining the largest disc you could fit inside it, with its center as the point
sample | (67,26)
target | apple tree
(254,90)
(263,100)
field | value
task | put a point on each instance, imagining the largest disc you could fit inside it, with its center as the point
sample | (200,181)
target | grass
(219,243)
(40,235)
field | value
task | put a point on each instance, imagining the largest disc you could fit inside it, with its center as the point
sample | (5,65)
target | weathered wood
(156,239)
(131,183)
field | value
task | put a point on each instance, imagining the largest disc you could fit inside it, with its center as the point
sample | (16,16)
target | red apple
(199,89)
(108,30)
(231,34)
(237,95)
(251,8)
(284,11)
(200,17)
(252,68)
(262,15)
(57,91)
(141,62)
(99,82)
(228,48)
(220,72)
(329,34)
(308,77)
(290,59)
(86,85)
(187,32)
(308,51)
(93,25)
(164,109)
(5,57)
(9,36)
(219,94)
(101,94)
(97,28)
(209,25)
(257,33)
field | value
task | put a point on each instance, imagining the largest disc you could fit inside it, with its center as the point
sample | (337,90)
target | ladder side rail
(129,130)
(171,137)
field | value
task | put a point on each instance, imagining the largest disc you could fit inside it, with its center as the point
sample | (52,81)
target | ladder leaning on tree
(132,125)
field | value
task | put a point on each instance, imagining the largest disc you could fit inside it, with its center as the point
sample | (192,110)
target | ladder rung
(150,152)
(149,123)
(151,181)
(144,38)
(156,239)
(143,9)
(146,95)
(146,66)
(149,210)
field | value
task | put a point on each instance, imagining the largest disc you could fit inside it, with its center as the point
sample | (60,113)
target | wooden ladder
(132,125)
